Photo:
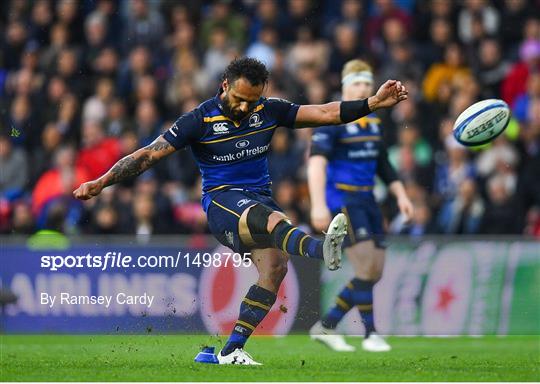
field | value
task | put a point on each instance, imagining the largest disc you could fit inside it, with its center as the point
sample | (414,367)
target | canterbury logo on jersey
(220,128)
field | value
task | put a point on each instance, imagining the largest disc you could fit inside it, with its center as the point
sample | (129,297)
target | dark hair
(247,67)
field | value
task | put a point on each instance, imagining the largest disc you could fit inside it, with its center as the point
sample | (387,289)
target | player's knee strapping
(257,222)
(284,235)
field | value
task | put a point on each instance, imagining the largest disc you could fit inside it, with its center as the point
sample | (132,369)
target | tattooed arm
(126,168)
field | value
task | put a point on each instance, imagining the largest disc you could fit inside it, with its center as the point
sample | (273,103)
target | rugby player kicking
(230,135)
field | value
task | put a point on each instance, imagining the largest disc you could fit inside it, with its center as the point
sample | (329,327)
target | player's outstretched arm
(388,95)
(130,166)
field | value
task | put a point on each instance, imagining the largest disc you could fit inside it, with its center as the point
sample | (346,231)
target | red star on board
(446,296)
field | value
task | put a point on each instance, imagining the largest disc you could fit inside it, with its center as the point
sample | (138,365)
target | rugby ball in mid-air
(482,122)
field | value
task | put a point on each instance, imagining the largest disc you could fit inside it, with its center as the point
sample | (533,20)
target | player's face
(357,90)
(240,97)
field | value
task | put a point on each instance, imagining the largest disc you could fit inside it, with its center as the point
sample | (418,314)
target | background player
(229,136)
(341,173)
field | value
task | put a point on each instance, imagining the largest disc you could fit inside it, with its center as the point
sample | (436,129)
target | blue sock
(294,241)
(356,292)
(344,302)
(365,304)
(253,310)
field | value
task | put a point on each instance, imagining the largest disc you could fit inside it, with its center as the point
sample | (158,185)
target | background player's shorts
(365,219)
(224,214)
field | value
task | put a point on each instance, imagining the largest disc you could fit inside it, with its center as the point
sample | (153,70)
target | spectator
(96,34)
(306,50)
(500,214)
(138,65)
(384,11)
(452,172)
(105,64)
(68,117)
(95,107)
(441,34)
(521,106)
(58,181)
(514,13)
(23,82)
(67,68)
(145,220)
(147,122)
(411,156)
(21,122)
(183,39)
(420,225)
(40,20)
(352,12)
(98,152)
(444,73)
(515,82)
(16,35)
(117,121)
(463,214)
(429,11)
(476,19)
(59,41)
(299,13)
(67,13)
(267,14)
(221,16)
(22,221)
(105,220)
(501,157)
(533,223)
(345,47)
(43,157)
(264,47)
(491,68)
(218,54)
(144,26)
(13,169)
(401,63)
(282,82)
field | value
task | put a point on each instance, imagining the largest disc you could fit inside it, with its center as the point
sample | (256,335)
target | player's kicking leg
(259,225)
(262,227)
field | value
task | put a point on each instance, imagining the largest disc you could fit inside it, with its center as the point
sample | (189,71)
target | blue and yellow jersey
(231,153)
(356,154)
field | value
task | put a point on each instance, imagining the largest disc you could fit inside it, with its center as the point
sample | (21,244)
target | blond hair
(353,66)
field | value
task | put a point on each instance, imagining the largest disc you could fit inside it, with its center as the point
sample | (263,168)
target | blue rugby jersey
(356,154)
(231,153)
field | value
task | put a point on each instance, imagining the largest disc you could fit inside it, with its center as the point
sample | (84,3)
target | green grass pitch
(291,358)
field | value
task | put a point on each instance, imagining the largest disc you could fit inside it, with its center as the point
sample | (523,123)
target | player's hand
(320,217)
(388,95)
(406,208)
(88,190)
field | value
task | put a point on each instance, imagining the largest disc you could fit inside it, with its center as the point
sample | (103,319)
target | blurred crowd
(85,82)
